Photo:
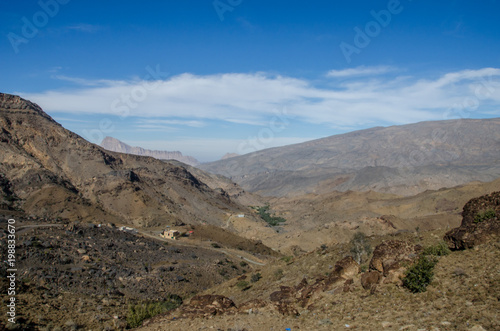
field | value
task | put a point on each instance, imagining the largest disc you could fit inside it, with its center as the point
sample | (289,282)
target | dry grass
(464,293)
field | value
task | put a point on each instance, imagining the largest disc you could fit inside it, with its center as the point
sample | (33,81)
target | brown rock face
(480,223)
(389,256)
(115,145)
(284,300)
(48,171)
(303,294)
(206,305)
(346,268)
(370,279)
(388,261)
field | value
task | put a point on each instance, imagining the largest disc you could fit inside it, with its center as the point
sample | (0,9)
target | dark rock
(391,258)
(480,223)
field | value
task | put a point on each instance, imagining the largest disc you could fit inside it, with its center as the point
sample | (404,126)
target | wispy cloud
(83,27)
(360,71)
(193,124)
(89,82)
(54,69)
(254,98)
(245,24)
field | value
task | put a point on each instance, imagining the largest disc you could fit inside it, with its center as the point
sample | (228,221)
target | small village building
(170,234)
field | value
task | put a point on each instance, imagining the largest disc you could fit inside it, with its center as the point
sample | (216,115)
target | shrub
(138,313)
(243,285)
(278,274)
(215,245)
(360,247)
(287,259)
(484,215)
(243,264)
(255,277)
(420,274)
(440,249)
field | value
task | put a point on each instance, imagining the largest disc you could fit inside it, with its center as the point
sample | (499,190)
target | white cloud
(88,82)
(360,71)
(254,98)
(83,27)
(193,124)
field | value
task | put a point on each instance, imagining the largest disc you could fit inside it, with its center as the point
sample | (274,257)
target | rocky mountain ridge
(403,160)
(115,145)
(49,171)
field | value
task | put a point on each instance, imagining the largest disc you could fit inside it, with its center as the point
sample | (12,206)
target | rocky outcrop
(389,261)
(370,279)
(15,104)
(480,223)
(207,305)
(288,298)
(115,145)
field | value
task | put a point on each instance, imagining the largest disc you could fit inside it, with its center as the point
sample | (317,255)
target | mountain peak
(115,145)
(14,103)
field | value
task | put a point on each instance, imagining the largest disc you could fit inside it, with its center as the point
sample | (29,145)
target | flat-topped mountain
(49,171)
(115,145)
(403,160)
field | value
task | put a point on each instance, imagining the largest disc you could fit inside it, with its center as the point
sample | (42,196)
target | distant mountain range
(115,145)
(403,160)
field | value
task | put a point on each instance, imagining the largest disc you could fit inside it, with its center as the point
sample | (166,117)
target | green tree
(420,274)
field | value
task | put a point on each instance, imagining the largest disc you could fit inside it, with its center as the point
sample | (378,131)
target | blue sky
(211,77)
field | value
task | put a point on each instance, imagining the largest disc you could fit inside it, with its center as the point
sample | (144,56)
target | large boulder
(346,268)
(390,260)
(284,300)
(303,294)
(480,223)
(392,254)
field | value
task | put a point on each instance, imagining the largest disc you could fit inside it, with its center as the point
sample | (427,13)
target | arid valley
(282,238)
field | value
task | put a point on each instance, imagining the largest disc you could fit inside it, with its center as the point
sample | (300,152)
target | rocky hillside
(404,281)
(403,160)
(49,171)
(327,290)
(115,145)
(82,276)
